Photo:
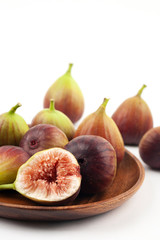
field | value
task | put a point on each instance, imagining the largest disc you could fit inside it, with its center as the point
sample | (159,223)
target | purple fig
(97,160)
(41,137)
(149,148)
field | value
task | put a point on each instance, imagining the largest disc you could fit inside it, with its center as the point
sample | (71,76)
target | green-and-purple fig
(67,95)
(133,118)
(98,123)
(54,117)
(11,158)
(12,127)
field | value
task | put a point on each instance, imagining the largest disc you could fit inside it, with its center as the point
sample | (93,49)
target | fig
(97,160)
(98,123)
(11,158)
(57,118)
(12,127)
(50,177)
(133,118)
(41,137)
(67,95)
(149,148)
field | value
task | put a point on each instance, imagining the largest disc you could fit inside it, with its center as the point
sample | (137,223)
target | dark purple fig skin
(11,158)
(41,137)
(149,148)
(97,160)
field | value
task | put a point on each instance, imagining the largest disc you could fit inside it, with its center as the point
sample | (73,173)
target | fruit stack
(51,162)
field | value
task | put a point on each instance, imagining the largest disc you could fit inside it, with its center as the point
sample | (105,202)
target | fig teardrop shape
(54,117)
(133,118)
(67,95)
(98,123)
(12,127)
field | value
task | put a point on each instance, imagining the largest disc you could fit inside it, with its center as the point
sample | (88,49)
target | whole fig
(12,127)
(98,123)
(133,118)
(149,148)
(54,117)
(67,95)
(41,137)
(11,158)
(97,160)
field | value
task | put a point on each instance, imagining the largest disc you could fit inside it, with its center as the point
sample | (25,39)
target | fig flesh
(11,158)
(54,117)
(41,137)
(98,123)
(50,177)
(12,127)
(149,148)
(97,160)
(67,95)
(133,118)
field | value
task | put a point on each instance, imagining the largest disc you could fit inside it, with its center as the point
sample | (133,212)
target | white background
(115,48)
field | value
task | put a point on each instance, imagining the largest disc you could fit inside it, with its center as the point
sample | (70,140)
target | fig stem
(7,186)
(52,107)
(13,109)
(69,68)
(105,101)
(141,90)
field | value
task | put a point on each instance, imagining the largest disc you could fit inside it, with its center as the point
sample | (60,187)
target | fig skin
(54,117)
(97,160)
(67,95)
(149,148)
(98,123)
(133,118)
(12,127)
(41,137)
(11,158)
(44,178)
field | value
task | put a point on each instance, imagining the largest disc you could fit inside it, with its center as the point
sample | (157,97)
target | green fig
(67,95)
(54,117)
(12,127)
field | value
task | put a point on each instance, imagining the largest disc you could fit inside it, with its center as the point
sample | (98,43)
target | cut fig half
(50,177)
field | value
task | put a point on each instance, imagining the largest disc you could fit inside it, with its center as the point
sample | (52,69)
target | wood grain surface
(130,175)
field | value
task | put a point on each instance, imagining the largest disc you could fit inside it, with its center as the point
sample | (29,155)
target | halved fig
(50,177)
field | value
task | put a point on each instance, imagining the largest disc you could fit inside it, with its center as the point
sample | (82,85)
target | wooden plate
(129,178)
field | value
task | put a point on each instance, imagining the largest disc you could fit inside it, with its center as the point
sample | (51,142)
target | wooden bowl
(128,180)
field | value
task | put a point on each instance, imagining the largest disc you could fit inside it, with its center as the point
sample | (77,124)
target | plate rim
(109,201)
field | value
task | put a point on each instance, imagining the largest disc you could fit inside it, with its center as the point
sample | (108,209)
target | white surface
(115,48)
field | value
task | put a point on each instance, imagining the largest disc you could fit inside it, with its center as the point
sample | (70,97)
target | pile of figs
(51,162)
